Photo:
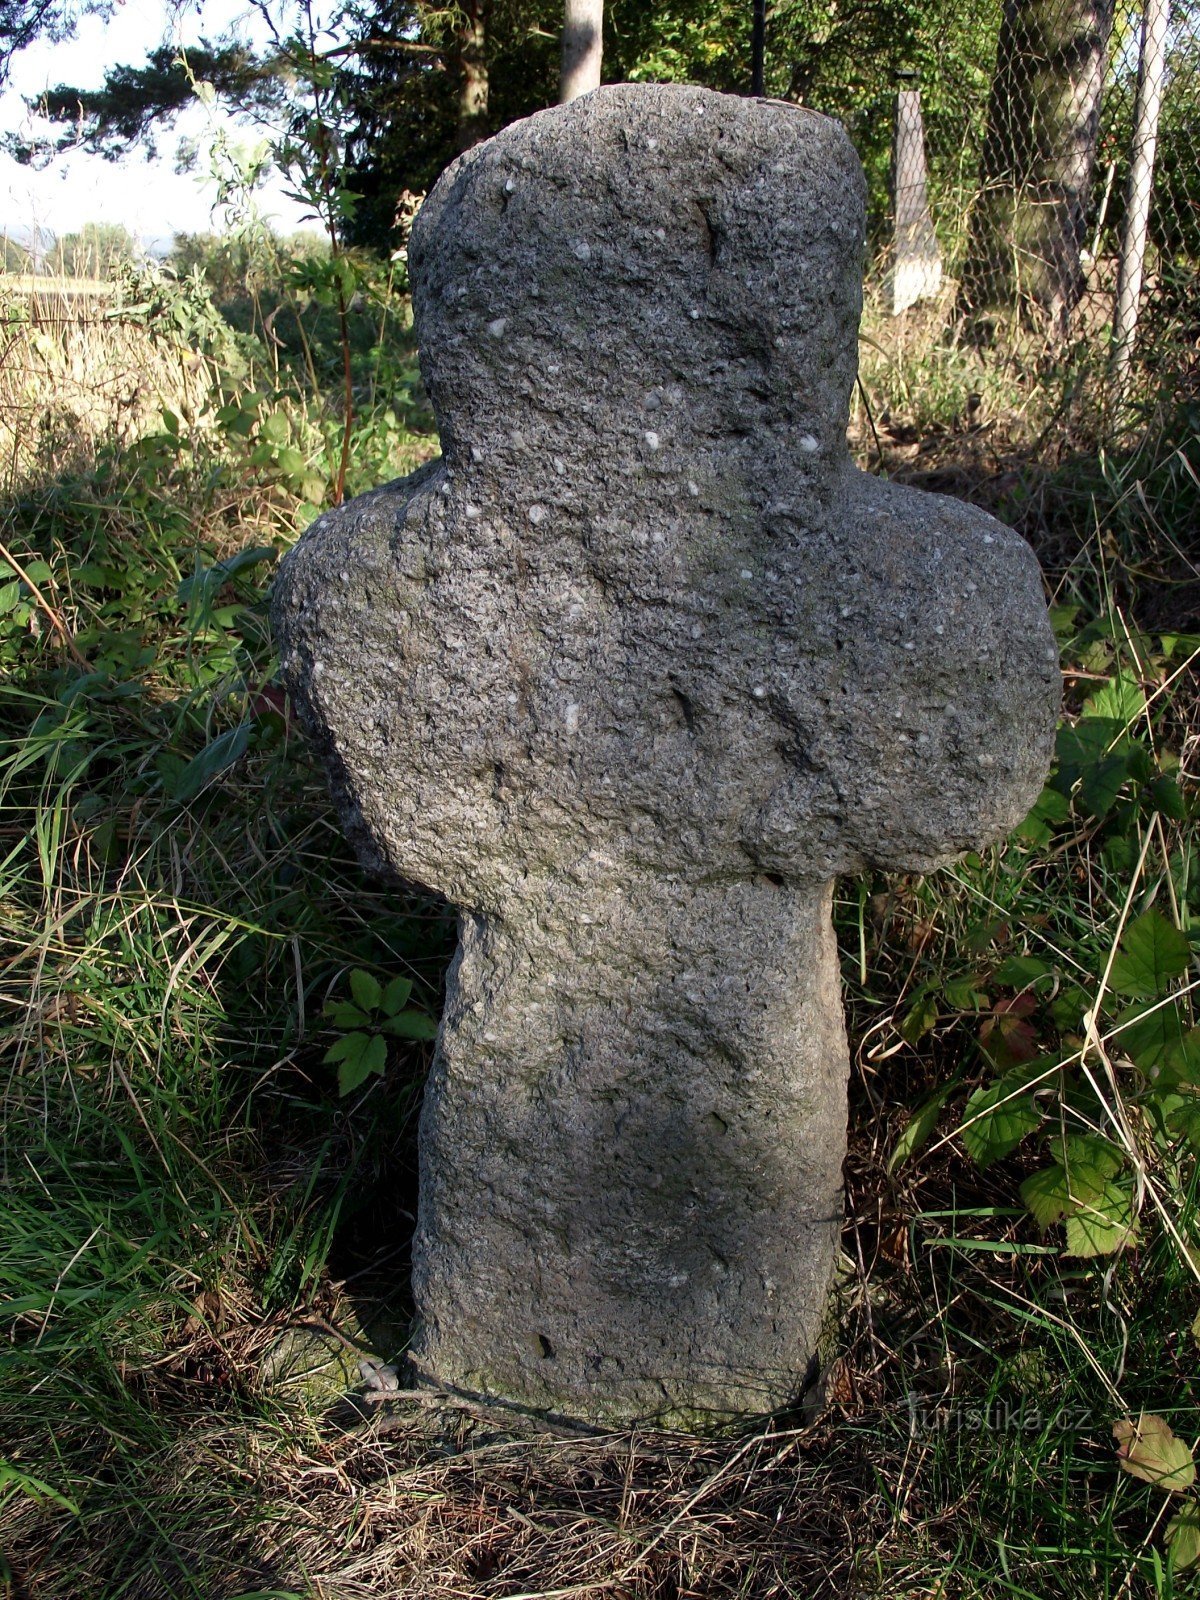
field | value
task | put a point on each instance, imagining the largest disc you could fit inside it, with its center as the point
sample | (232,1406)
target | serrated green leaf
(360,1055)
(996,1119)
(366,989)
(1085,1154)
(1023,972)
(1121,700)
(1044,1195)
(396,996)
(1103,1222)
(1100,784)
(1184,1121)
(1166,796)
(1183,1537)
(966,994)
(343,1014)
(1152,953)
(1148,1449)
(918,1128)
(1148,1032)
(412,1025)
(1049,811)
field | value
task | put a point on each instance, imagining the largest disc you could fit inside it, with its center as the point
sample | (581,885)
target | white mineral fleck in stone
(497,327)
(808,443)
(582,250)
(536,515)
(476,454)
(746,573)
(760,692)
(571,716)
(473,511)
(651,438)
(693,488)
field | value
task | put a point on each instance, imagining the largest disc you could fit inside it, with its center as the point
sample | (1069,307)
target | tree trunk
(1027,228)
(473,95)
(582,47)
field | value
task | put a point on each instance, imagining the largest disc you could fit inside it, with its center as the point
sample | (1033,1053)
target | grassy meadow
(207,1190)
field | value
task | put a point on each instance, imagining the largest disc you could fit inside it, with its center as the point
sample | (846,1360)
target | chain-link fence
(1040,199)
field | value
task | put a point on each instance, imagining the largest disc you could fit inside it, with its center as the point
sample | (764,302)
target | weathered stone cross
(629,675)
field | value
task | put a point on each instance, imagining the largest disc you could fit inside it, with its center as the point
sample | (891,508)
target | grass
(187,1200)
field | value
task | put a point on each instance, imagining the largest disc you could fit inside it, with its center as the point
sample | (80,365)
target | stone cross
(629,675)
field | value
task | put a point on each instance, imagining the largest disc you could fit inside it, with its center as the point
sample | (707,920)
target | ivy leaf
(1147,1449)
(365,989)
(360,1055)
(1102,1222)
(997,1118)
(1152,953)
(412,1025)
(1183,1537)
(395,996)
(918,1128)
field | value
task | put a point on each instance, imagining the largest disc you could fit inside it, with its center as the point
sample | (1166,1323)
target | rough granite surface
(629,675)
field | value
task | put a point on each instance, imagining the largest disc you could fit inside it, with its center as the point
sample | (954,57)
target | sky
(148,197)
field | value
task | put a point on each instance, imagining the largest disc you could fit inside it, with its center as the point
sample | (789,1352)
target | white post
(1141,182)
(582,46)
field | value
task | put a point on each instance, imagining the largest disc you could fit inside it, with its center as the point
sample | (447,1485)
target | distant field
(36,283)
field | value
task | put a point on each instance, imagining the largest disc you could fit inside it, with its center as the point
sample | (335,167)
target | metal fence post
(1141,183)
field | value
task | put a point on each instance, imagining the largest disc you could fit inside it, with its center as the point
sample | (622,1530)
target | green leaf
(1023,972)
(1152,954)
(997,1118)
(1167,797)
(365,989)
(412,1025)
(275,428)
(1121,700)
(1149,1033)
(1103,1222)
(24,1483)
(1049,811)
(1100,785)
(345,1015)
(921,1017)
(1147,1449)
(396,995)
(1183,1537)
(215,758)
(1045,1196)
(966,994)
(1184,1121)
(360,1055)
(918,1128)
(1086,1155)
